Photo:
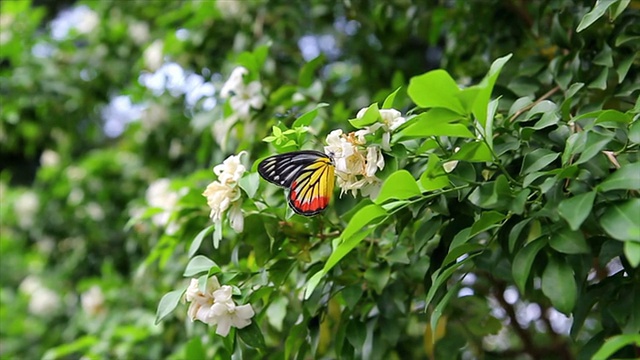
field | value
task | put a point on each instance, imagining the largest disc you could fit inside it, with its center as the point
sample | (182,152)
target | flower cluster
(356,162)
(242,97)
(224,194)
(215,306)
(42,300)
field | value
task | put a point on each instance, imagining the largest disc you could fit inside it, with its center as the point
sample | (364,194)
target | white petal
(224,325)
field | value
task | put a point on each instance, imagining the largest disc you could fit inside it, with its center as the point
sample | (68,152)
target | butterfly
(309,176)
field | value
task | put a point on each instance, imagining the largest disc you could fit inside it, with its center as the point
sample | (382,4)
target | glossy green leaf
(308,117)
(596,13)
(250,183)
(537,160)
(476,151)
(441,275)
(627,177)
(252,336)
(576,209)
(400,185)
(436,122)
(620,221)
(559,285)
(632,252)
(198,264)
(615,343)
(434,177)
(480,106)
(523,260)
(370,116)
(435,89)
(307,73)
(487,221)
(569,242)
(167,304)
(197,241)
(388,101)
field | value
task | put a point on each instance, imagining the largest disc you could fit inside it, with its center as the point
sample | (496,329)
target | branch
(526,108)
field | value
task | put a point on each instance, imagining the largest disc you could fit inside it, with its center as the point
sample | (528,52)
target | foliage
(505,223)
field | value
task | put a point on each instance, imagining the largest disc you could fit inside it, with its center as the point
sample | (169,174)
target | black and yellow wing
(309,175)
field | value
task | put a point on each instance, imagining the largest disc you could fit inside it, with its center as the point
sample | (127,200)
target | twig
(543,97)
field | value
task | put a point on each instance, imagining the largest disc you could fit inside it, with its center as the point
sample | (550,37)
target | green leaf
(439,309)
(308,117)
(624,66)
(197,241)
(627,177)
(458,251)
(569,242)
(576,209)
(307,73)
(604,57)
(481,104)
(476,151)
(615,343)
(488,220)
(436,122)
(194,349)
(377,276)
(434,177)
(352,235)
(252,336)
(559,285)
(537,160)
(632,252)
(199,264)
(435,89)
(399,185)
(596,13)
(250,183)
(167,304)
(441,275)
(600,82)
(371,116)
(620,221)
(388,102)
(523,260)
(356,333)
(634,131)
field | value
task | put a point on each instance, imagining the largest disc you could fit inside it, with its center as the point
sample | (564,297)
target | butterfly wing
(312,187)
(308,174)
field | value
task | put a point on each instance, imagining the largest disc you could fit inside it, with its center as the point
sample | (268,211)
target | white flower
(26,207)
(375,161)
(230,8)
(242,97)
(356,165)
(391,119)
(227,314)
(234,82)
(449,166)
(43,301)
(153,58)
(139,32)
(219,198)
(92,300)
(49,158)
(88,21)
(160,195)
(224,193)
(231,169)
(216,307)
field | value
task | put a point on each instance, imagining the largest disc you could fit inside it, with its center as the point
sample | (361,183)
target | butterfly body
(309,175)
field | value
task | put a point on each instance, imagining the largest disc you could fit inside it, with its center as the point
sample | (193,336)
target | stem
(526,108)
